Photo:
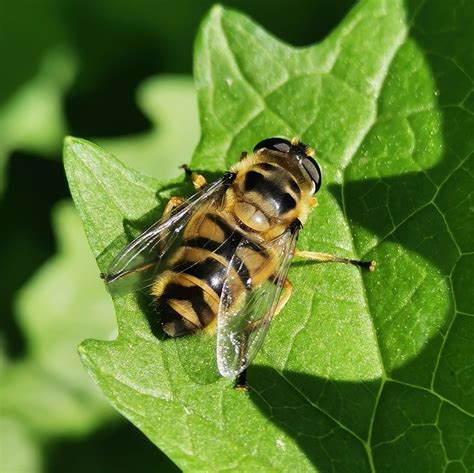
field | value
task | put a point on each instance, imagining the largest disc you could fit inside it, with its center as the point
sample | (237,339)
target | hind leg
(327,258)
(241,380)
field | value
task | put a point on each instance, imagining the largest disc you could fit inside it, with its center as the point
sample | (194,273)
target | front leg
(198,180)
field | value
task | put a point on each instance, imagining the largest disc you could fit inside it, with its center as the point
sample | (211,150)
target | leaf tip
(216,10)
(78,149)
(82,348)
(68,140)
(69,143)
(214,15)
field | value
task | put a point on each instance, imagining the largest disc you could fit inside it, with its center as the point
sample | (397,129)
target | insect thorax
(267,195)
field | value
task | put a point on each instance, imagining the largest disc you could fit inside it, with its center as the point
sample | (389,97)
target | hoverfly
(219,261)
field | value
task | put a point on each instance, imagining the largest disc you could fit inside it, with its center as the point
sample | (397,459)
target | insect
(219,261)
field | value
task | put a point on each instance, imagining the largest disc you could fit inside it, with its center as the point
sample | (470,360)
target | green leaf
(170,103)
(360,371)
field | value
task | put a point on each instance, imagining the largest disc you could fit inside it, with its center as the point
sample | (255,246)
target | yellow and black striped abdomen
(186,296)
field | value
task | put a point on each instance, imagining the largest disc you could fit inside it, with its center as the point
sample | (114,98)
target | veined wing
(245,313)
(137,264)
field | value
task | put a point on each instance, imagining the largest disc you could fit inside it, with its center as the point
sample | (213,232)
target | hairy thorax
(265,198)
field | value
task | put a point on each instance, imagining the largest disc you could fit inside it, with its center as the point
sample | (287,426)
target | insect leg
(172,204)
(284,297)
(241,380)
(198,180)
(286,291)
(326,258)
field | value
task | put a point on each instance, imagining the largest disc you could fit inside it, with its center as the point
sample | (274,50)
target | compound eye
(312,168)
(276,144)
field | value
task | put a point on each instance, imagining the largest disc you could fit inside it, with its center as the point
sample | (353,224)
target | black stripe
(209,270)
(213,272)
(287,203)
(266,166)
(193,294)
(177,291)
(253,181)
(292,183)
(173,322)
(226,228)
(225,249)
(270,191)
(294,186)
(233,235)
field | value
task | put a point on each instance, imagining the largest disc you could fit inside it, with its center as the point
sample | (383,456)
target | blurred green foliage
(98,69)
(32,119)
(46,389)
(171,105)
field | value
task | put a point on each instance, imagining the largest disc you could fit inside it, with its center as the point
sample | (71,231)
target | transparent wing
(245,314)
(137,264)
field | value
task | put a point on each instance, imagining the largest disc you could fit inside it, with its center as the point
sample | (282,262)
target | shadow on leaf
(403,422)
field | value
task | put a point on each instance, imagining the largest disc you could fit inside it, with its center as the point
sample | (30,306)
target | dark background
(117,44)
